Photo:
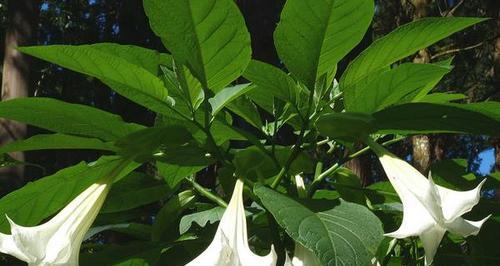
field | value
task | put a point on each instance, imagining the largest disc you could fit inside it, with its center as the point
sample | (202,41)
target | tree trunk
(421,150)
(495,14)
(15,79)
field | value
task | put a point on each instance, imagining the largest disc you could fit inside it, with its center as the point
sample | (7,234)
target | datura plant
(275,137)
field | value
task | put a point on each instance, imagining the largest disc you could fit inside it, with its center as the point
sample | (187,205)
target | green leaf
(374,93)
(348,234)
(417,118)
(382,192)
(137,189)
(349,186)
(314,35)
(441,97)
(66,118)
(273,80)
(349,126)
(209,37)
(247,110)
(451,174)
(122,74)
(148,59)
(190,88)
(142,144)
(418,95)
(131,254)
(136,230)
(165,223)
(174,174)
(201,218)
(401,43)
(227,95)
(253,162)
(56,141)
(36,201)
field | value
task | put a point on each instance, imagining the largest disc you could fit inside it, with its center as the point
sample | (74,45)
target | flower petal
(57,242)
(304,257)
(8,246)
(465,227)
(407,180)
(218,253)
(416,218)
(430,240)
(455,203)
(73,222)
(32,240)
(230,244)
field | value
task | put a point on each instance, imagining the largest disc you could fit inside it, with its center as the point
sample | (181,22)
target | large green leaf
(209,37)
(442,97)
(348,234)
(36,201)
(142,144)
(346,125)
(133,254)
(66,118)
(201,218)
(166,221)
(349,186)
(135,230)
(255,163)
(120,67)
(227,95)
(148,59)
(174,174)
(273,80)
(56,141)
(135,190)
(415,118)
(313,35)
(401,43)
(374,93)
(190,89)
(247,110)
(418,95)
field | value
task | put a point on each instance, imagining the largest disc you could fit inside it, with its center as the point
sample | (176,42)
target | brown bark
(15,76)
(421,150)
(496,145)
(362,168)
(420,8)
(439,147)
(495,13)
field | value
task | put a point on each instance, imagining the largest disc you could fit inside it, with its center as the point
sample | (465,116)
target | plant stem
(297,147)
(209,195)
(337,166)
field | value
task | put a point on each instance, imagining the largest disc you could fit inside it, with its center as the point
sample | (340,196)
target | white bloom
(429,210)
(57,242)
(302,257)
(230,244)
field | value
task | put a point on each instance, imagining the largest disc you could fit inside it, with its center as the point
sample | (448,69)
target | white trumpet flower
(429,210)
(57,242)
(302,257)
(230,244)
